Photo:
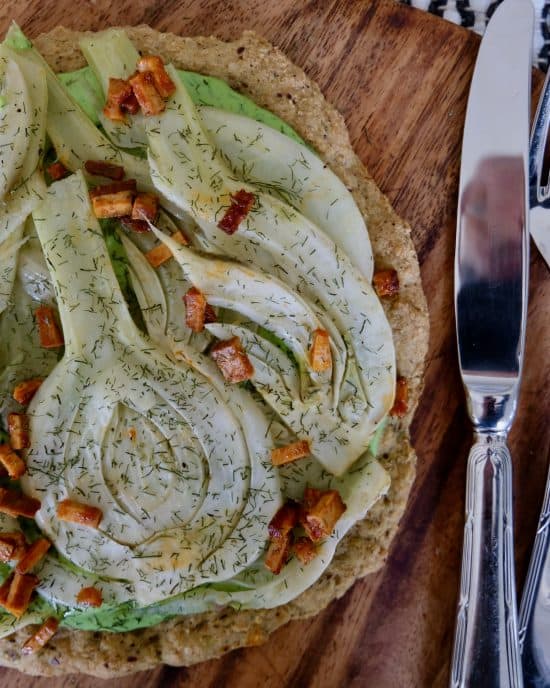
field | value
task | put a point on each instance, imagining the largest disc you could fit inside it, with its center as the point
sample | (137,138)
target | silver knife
(491,267)
(534,613)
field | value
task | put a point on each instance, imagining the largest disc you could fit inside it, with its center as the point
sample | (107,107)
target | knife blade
(491,261)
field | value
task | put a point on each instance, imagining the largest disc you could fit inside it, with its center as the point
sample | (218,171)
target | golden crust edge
(299,101)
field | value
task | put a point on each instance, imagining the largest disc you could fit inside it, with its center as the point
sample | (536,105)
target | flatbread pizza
(214,338)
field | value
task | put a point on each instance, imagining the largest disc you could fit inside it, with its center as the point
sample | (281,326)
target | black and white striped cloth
(475,14)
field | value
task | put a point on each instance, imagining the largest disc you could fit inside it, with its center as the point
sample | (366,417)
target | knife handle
(486,648)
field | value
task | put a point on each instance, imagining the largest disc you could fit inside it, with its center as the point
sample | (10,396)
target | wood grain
(400,77)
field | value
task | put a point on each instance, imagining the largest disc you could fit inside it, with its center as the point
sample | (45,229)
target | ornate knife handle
(486,649)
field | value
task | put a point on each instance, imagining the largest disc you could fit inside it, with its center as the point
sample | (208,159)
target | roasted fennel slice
(179,465)
(187,170)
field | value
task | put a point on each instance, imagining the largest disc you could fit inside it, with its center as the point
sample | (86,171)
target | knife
(491,263)
(534,613)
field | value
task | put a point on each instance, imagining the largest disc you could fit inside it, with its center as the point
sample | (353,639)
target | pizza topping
(304,549)
(161,253)
(12,462)
(50,335)
(209,315)
(149,99)
(34,554)
(90,597)
(317,514)
(154,65)
(56,171)
(291,452)
(12,546)
(17,504)
(102,396)
(401,401)
(311,497)
(321,516)
(139,226)
(320,355)
(232,360)
(113,205)
(24,391)
(386,283)
(338,413)
(16,593)
(241,204)
(18,429)
(99,168)
(195,309)
(119,92)
(278,553)
(146,207)
(114,187)
(76,512)
(185,504)
(284,520)
(41,637)
(130,104)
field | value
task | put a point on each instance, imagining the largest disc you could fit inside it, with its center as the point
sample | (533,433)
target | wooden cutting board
(401,78)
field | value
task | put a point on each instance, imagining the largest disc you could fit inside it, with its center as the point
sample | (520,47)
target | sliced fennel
(257,152)
(281,166)
(111,53)
(165,285)
(255,587)
(187,169)
(22,119)
(308,403)
(14,211)
(73,135)
(113,375)
(13,127)
(214,490)
(22,133)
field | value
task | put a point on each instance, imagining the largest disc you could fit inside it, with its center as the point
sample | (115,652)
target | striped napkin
(475,14)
